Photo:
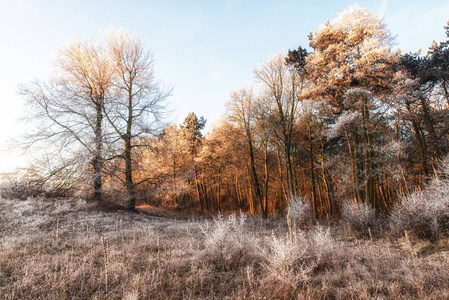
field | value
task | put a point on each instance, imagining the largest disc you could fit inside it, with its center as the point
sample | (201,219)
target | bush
(321,244)
(28,184)
(289,262)
(227,244)
(21,189)
(359,217)
(425,213)
(298,212)
(421,214)
(283,259)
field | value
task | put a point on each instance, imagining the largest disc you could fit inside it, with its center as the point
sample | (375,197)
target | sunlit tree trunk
(266,178)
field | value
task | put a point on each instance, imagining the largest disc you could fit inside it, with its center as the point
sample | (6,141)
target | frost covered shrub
(321,244)
(289,261)
(21,189)
(227,244)
(439,193)
(359,217)
(425,213)
(298,211)
(415,215)
(283,259)
(422,214)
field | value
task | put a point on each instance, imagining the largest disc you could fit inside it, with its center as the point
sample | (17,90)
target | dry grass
(71,249)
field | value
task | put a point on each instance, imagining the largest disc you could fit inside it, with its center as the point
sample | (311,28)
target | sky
(205,49)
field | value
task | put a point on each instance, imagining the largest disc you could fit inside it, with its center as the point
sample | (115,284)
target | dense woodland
(345,119)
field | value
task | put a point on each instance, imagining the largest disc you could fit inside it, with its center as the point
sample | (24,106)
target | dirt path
(172,214)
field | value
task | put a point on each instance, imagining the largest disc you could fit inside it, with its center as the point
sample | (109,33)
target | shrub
(298,212)
(28,184)
(22,190)
(289,261)
(420,214)
(425,213)
(359,217)
(227,244)
(283,259)
(321,244)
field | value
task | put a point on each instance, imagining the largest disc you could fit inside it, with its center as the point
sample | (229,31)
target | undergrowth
(73,249)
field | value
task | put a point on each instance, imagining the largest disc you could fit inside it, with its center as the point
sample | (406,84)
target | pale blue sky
(205,49)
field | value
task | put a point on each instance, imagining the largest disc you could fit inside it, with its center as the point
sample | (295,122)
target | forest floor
(73,249)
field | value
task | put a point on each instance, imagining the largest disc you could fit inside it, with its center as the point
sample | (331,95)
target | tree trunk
(130,187)
(97,162)
(430,127)
(198,188)
(219,190)
(368,156)
(289,168)
(326,188)
(312,172)
(281,175)
(254,178)
(267,177)
(353,152)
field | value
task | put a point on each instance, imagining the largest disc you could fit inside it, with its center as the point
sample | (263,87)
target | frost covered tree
(350,71)
(138,100)
(421,100)
(166,165)
(438,65)
(69,109)
(222,167)
(191,129)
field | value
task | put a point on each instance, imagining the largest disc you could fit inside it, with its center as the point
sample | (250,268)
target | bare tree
(242,112)
(102,94)
(282,88)
(139,99)
(69,109)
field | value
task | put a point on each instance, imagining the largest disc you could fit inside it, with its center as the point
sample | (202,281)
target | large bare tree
(281,89)
(69,109)
(139,98)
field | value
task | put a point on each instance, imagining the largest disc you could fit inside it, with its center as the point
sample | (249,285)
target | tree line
(346,119)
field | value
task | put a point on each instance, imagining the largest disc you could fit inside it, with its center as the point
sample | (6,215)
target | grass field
(73,249)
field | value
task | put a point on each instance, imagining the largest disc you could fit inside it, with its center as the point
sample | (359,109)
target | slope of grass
(72,249)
